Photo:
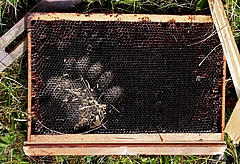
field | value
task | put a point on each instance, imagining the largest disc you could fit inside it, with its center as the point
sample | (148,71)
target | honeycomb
(132,77)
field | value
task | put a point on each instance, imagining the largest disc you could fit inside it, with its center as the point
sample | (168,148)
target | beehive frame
(122,144)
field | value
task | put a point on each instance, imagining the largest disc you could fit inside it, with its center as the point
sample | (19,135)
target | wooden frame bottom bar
(184,148)
(126,144)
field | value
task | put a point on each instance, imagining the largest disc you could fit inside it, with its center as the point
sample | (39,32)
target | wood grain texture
(222,115)
(119,17)
(227,40)
(11,34)
(7,58)
(29,85)
(127,138)
(18,51)
(233,125)
(124,149)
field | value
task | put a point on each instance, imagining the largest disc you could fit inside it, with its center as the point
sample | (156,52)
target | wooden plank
(29,86)
(227,40)
(142,143)
(5,58)
(233,126)
(11,34)
(119,17)
(222,116)
(160,149)
(2,66)
(3,53)
(19,50)
(127,138)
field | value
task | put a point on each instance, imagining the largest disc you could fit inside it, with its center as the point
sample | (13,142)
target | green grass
(143,6)
(13,113)
(13,81)
(9,10)
(233,12)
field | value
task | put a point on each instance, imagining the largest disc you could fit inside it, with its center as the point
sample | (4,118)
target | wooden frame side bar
(29,84)
(119,17)
(222,113)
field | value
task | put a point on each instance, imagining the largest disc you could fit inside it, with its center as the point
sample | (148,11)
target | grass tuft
(13,115)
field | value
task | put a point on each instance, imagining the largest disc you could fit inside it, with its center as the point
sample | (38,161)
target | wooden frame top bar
(120,17)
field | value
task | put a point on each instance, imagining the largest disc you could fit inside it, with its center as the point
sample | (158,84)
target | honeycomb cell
(133,77)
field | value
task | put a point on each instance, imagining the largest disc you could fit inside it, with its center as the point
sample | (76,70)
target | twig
(103,125)
(49,129)
(86,85)
(227,80)
(17,119)
(114,108)
(201,41)
(86,107)
(99,98)
(208,54)
(15,81)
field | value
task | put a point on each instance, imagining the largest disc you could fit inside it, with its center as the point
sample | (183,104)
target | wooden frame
(120,17)
(233,59)
(126,144)
(121,144)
